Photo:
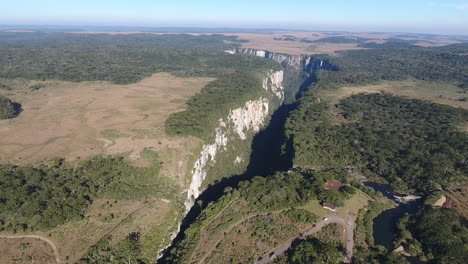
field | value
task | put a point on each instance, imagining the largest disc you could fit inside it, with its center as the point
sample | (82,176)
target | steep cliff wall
(299,70)
(237,126)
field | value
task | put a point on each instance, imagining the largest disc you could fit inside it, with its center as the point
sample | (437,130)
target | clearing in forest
(441,93)
(79,120)
(25,250)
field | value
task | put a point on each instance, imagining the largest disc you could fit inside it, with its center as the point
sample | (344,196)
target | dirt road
(331,219)
(48,241)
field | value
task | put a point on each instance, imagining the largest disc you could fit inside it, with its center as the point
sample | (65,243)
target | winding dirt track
(331,219)
(48,241)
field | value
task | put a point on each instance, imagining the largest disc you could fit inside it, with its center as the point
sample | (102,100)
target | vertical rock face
(208,154)
(299,71)
(274,81)
(249,118)
(298,62)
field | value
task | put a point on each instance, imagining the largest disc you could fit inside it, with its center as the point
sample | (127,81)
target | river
(384,225)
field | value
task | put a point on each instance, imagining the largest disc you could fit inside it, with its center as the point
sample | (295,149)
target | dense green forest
(7,108)
(437,235)
(313,251)
(412,144)
(46,196)
(397,61)
(128,250)
(115,58)
(214,102)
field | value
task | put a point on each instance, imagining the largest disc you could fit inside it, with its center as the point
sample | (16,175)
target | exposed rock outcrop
(274,82)
(249,118)
(305,63)
(299,71)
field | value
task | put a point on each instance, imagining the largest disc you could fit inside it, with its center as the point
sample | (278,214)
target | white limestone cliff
(296,62)
(249,118)
(208,154)
(274,82)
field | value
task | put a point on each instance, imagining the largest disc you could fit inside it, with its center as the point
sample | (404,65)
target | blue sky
(436,16)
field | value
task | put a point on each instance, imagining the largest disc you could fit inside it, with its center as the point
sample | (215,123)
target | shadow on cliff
(267,157)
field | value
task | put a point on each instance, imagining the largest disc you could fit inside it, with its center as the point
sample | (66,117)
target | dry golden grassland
(440,93)
(267,41)
(25,250)
(236,235)
(80,120)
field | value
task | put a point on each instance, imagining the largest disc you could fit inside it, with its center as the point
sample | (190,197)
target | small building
(329,206)
(334,185)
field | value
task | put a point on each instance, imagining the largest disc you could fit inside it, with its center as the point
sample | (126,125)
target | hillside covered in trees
(115,58)
(437,235)
(396,61)
(43,197)
(412,144)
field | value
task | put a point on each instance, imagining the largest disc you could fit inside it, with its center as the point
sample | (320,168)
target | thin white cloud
(462,6)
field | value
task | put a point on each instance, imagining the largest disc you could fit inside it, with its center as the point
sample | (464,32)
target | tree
(314,251)
(7,108)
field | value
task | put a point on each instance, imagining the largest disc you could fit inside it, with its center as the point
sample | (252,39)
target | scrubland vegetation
(7,108)
(43,197)
(313,251)
(279,192)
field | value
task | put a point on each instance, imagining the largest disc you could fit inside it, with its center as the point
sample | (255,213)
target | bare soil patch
(457,198)
(25,250)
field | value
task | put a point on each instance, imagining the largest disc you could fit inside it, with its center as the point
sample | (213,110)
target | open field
(79,120)
(457,198)
(104,217)
(25,250)
(297,43)
(272,42)
(239,236)
(440,93)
